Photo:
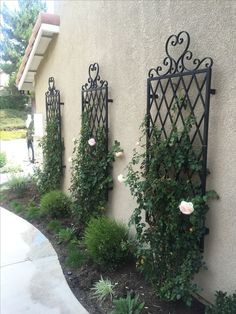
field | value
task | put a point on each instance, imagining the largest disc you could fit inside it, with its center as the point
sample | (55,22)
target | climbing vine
(48,177)
(91,175)
(165,182)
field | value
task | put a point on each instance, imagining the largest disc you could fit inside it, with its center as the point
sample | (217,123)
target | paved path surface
(17,157)
(32,281)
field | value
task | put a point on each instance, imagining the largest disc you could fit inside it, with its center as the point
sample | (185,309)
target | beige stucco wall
(127,38)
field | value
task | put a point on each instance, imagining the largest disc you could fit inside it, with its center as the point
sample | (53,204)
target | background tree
(16,30)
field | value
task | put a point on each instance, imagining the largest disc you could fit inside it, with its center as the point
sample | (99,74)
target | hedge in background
(13,101)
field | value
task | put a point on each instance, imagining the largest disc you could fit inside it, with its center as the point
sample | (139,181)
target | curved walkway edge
(32,281)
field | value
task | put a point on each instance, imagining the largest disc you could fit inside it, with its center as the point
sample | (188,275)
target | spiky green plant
(103,289)
(127,305)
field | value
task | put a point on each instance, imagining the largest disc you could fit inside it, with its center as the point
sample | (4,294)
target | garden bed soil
(80,280)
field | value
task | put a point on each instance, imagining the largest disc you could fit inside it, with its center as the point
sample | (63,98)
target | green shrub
(76,258)
(103,289)
(13,101)
(33,212)
(19,185)
(107,242)
(3,159)
(54,225)
(224,304)
(16,206)
(65,235)
(127,305)
(55,204)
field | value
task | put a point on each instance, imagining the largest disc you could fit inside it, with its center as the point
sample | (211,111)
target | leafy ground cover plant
(55,204)
(168,248)
(107,242)
(224,304)
(91,177)
(103,289)
(128,305)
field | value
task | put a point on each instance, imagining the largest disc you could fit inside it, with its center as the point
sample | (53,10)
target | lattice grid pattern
(53,111)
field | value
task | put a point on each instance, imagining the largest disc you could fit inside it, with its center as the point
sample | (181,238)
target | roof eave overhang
(35,53)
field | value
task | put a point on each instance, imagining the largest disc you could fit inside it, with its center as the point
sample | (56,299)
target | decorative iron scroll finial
(51,83)
(183,62)
(94,80)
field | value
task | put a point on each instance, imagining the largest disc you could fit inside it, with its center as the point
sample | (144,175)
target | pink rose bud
(186,207)
(92,142)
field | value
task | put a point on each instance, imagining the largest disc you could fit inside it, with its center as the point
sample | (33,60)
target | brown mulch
(81,280)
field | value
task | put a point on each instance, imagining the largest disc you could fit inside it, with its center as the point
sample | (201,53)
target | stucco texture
(127,38)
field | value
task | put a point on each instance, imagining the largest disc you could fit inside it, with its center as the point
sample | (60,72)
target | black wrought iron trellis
(95,101)
(53,113)
(183,85)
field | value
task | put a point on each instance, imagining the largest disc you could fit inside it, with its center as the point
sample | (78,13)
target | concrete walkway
(32,281)
(17,157)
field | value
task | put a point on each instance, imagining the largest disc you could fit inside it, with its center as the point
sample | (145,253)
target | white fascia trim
(43,28)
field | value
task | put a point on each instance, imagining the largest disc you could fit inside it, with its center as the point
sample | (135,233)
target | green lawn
(12,119)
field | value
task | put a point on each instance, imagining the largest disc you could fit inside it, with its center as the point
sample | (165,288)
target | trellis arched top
(94,80)
(52,91)
(179,58)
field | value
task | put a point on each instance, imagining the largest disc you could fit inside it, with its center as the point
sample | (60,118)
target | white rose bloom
(119,154)
(186,207)
(91,142)
(121,178)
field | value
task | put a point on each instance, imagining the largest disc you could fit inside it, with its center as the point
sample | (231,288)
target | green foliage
(168,245)
(16,30)
(54,225)
(13,102)
(103,289)
(107,242)
(127,305)
(76,257)
(48,178)
(55,204)
(224,304)
(12,119)
(16,206)
(19,184)
(65,235)
(90,172)
(32,212)
(3,159)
